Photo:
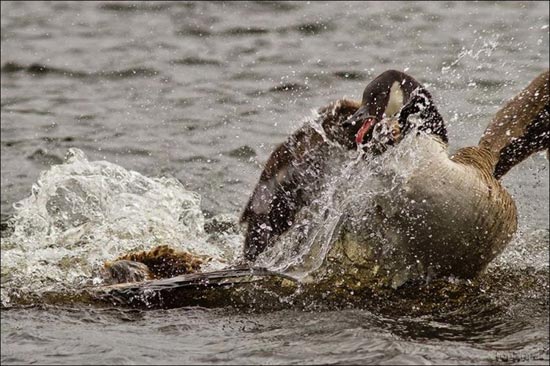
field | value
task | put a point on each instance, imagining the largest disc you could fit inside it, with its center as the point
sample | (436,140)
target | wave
(306,29)
(36,70)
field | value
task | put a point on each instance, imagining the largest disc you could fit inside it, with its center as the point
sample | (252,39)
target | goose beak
(360,123)
(367,126)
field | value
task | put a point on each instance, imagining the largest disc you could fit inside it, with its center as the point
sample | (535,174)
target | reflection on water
(201,92)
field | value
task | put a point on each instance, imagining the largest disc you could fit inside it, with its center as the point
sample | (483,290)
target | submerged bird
(450,215)
(295,170)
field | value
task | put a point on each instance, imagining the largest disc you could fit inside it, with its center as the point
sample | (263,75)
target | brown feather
(164,261)
(521,127)
(291,176)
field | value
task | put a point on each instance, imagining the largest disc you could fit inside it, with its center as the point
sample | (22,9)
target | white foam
(81,213)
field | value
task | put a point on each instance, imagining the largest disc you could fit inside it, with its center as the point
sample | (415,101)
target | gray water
(203,92)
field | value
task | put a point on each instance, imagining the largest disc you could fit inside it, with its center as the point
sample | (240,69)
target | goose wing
(521,127)
(290,175)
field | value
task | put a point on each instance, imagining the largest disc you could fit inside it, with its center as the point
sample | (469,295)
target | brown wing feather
(288,179)
(521,127)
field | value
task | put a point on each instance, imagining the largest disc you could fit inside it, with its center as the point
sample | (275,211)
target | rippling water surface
(173,107)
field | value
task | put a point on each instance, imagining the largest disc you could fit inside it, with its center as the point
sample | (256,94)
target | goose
(295,170)
(450,215)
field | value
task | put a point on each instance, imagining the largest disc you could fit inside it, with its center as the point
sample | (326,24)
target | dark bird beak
(361,124)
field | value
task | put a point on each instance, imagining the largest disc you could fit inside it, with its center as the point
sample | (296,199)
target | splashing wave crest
(82,213)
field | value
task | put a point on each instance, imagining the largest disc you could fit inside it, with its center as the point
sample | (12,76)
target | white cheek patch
(395,101)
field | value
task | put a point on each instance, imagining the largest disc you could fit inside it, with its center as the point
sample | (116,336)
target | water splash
(354,187)
(81,213)
(486,49)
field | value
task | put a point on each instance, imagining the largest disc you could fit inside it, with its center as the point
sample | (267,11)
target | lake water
(201,93)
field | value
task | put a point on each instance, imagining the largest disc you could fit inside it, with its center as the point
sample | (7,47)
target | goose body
(469,217)
(446,213)
(449,215)
(417,212)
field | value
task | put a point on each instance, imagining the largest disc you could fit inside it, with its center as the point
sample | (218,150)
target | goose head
(383,98)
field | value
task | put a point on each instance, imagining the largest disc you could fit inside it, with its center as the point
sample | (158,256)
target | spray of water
(344,215)
(82,213)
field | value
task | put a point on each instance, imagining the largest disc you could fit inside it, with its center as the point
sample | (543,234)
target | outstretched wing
(241,286)
(289,176)
(521,127)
